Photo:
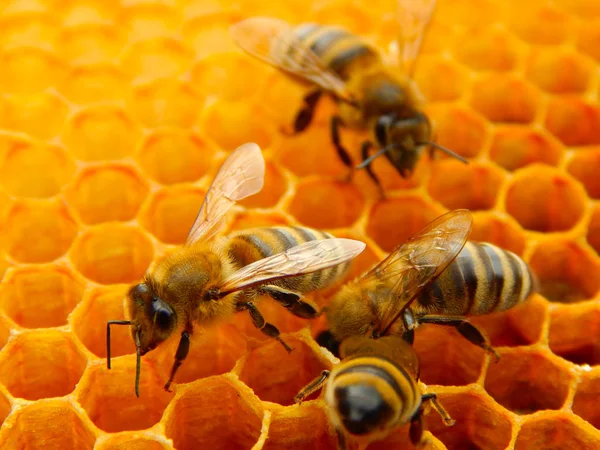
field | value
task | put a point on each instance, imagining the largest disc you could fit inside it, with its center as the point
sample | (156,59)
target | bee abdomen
(372,393)
(483,279)
(338,49)
(251,245)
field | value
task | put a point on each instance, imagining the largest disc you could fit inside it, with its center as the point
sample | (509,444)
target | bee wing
(241,175)
(274,42)
(413,265)
(301,259)
(414,17)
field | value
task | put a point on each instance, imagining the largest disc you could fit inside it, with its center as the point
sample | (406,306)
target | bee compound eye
(163,313)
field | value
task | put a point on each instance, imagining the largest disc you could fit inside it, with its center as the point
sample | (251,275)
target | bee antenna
(447,151)
(138,363)
(370,159)
(108,324)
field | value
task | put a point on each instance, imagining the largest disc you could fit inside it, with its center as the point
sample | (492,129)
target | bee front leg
(311,387)
(335,125)
(182,351)
(259,322)
(365,153)
(305,116)
(290,300)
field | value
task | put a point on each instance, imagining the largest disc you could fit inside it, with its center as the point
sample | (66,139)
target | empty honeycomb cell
(100,133)
(544,199)
(38,232)
(231,124)
(557,431)
(472,186)
(542,24)
(307,207)
(567,271)
(586,9)
(150,20)
(583,167)
(498,229)
(352,16)
(41,364)
(5,264)
(480,424)
(127,441)
(505,98)
(566,339)
(40,296)
(521,325)
(219,74)
(30,69)
(108,192)
(573,121)
(214,350)
(277,376)
(48,425)
(166,103)
(170,212)
(275,186)
(5,330)
(393,221)
(175,156)
(252,219)
(487,48)
(40,115)
(516,146)
(33,169)
(461,11)
(203,412)
(91,43)
(101,391)
(99,305)
(95,83)
(112,253)
(559,72)
(587,396)
(460,129)
(91,11)
(593,236)
(428,79)
(305,427)
(4,407)
(157,58)
(526,380)
(459,363)
(29,28)
(210,34)
(588,40)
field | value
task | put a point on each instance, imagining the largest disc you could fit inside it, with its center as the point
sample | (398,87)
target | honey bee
(373,92)
(374,390)
(435,277)
(210,278)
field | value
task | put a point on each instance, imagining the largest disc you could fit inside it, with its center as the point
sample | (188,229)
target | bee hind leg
(305,115)
(335,125)
(259,322)
(464,327)
(290,300)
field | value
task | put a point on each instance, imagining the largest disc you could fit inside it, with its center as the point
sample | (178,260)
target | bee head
(153,320)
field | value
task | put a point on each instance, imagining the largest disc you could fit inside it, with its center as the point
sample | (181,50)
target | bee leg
(335,124)
(342,444)
(365,150)
(464,327)
(182,350)
(305,114)
(432,398)
(416,427)
(311,387)
(259,322)
(290,300)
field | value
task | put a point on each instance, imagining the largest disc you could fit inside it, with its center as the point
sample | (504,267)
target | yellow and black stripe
(483,279)
(337,49)
(247,246)
(371,393)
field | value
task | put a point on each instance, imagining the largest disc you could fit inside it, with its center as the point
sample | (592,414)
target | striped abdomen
(337,49)
(247,246)
(483,279)
(368,394)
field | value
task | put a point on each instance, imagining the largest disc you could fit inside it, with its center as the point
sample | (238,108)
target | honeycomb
(114,117)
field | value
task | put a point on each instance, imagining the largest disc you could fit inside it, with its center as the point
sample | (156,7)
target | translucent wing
(413,265)
(241,175)
(413,17)
(301,259)
(393,348)
(274,42)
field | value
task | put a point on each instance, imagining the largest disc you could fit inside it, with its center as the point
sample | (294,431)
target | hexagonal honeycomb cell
(114,119)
